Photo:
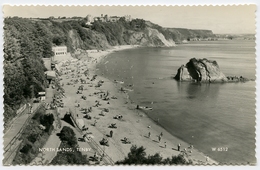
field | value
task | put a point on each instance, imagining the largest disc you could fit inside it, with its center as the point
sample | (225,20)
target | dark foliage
(137,156)
(155,159)
(32,139)
(68,135)
(72,157)
(115,31)
(26,148)
(47,121)
(25,44)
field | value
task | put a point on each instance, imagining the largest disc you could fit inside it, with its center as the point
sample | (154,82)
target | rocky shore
(206,71)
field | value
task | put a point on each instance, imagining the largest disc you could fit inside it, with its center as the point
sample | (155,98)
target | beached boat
(145,108)
(121,82)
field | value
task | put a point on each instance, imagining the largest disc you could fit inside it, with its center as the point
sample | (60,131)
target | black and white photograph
(129,85)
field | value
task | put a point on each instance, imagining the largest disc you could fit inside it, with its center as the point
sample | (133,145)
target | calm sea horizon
(207,116)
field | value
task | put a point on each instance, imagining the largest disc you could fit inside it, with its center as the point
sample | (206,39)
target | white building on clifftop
(59,50)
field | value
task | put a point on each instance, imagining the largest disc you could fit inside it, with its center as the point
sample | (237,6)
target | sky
(220,19)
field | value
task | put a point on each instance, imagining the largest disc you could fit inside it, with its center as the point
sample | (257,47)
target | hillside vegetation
(27,41)
(180,34)
(68,153)
(34,137)
(138,156)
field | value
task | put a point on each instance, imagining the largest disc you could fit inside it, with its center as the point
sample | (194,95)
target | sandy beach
(107,101)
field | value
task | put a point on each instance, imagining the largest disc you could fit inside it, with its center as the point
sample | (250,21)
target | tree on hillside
(47,121)
(45,44)
(138,24)
(57,40)
(155,159)
(137,156)
(67,134)
(26,43)
(177,160)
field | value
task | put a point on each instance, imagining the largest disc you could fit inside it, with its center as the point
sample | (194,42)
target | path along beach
(108,101)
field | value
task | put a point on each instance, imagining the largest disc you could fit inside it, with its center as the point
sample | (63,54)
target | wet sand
(134,125)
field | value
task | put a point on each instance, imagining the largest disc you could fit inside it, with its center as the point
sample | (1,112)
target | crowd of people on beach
(79,68)
(78,74)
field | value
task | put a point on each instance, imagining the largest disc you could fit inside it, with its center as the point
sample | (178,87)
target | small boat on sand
(121,82)
(144,107)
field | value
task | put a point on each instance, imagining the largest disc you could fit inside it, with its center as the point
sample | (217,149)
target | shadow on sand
(67,119)
(156,141)
(174,149)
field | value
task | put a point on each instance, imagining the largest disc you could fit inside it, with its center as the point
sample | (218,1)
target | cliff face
(98,40)
(186,34)
(149,37)
(103,35)
(179,35)
(200,70)
(156,38)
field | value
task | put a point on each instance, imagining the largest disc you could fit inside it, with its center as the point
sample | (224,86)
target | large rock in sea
(201,70)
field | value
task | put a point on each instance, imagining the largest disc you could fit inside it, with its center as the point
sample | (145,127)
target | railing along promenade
(93,144)
(12,146)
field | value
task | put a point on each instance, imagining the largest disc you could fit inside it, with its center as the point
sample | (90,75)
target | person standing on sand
(161,134)
(179,147)
(207,158)
(149,134)
(102,156)
(159,138)
(164,144)
(111,133)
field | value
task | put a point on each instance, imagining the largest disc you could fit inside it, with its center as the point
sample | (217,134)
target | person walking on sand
(149,134)
(159,138)
(179,147)
(95,122)
(164,144)
(161,134)
(111,133)
(207,158)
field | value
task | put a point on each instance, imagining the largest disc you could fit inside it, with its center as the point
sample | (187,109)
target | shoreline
(131,126)
(132,105)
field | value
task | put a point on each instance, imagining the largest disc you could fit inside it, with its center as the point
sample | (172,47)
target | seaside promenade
(12,135)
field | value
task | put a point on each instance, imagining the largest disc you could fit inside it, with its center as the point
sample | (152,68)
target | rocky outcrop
(238,79)
(204,70)
(183,74)
(201,70)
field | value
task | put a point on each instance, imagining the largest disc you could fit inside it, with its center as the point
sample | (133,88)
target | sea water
(218,119)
